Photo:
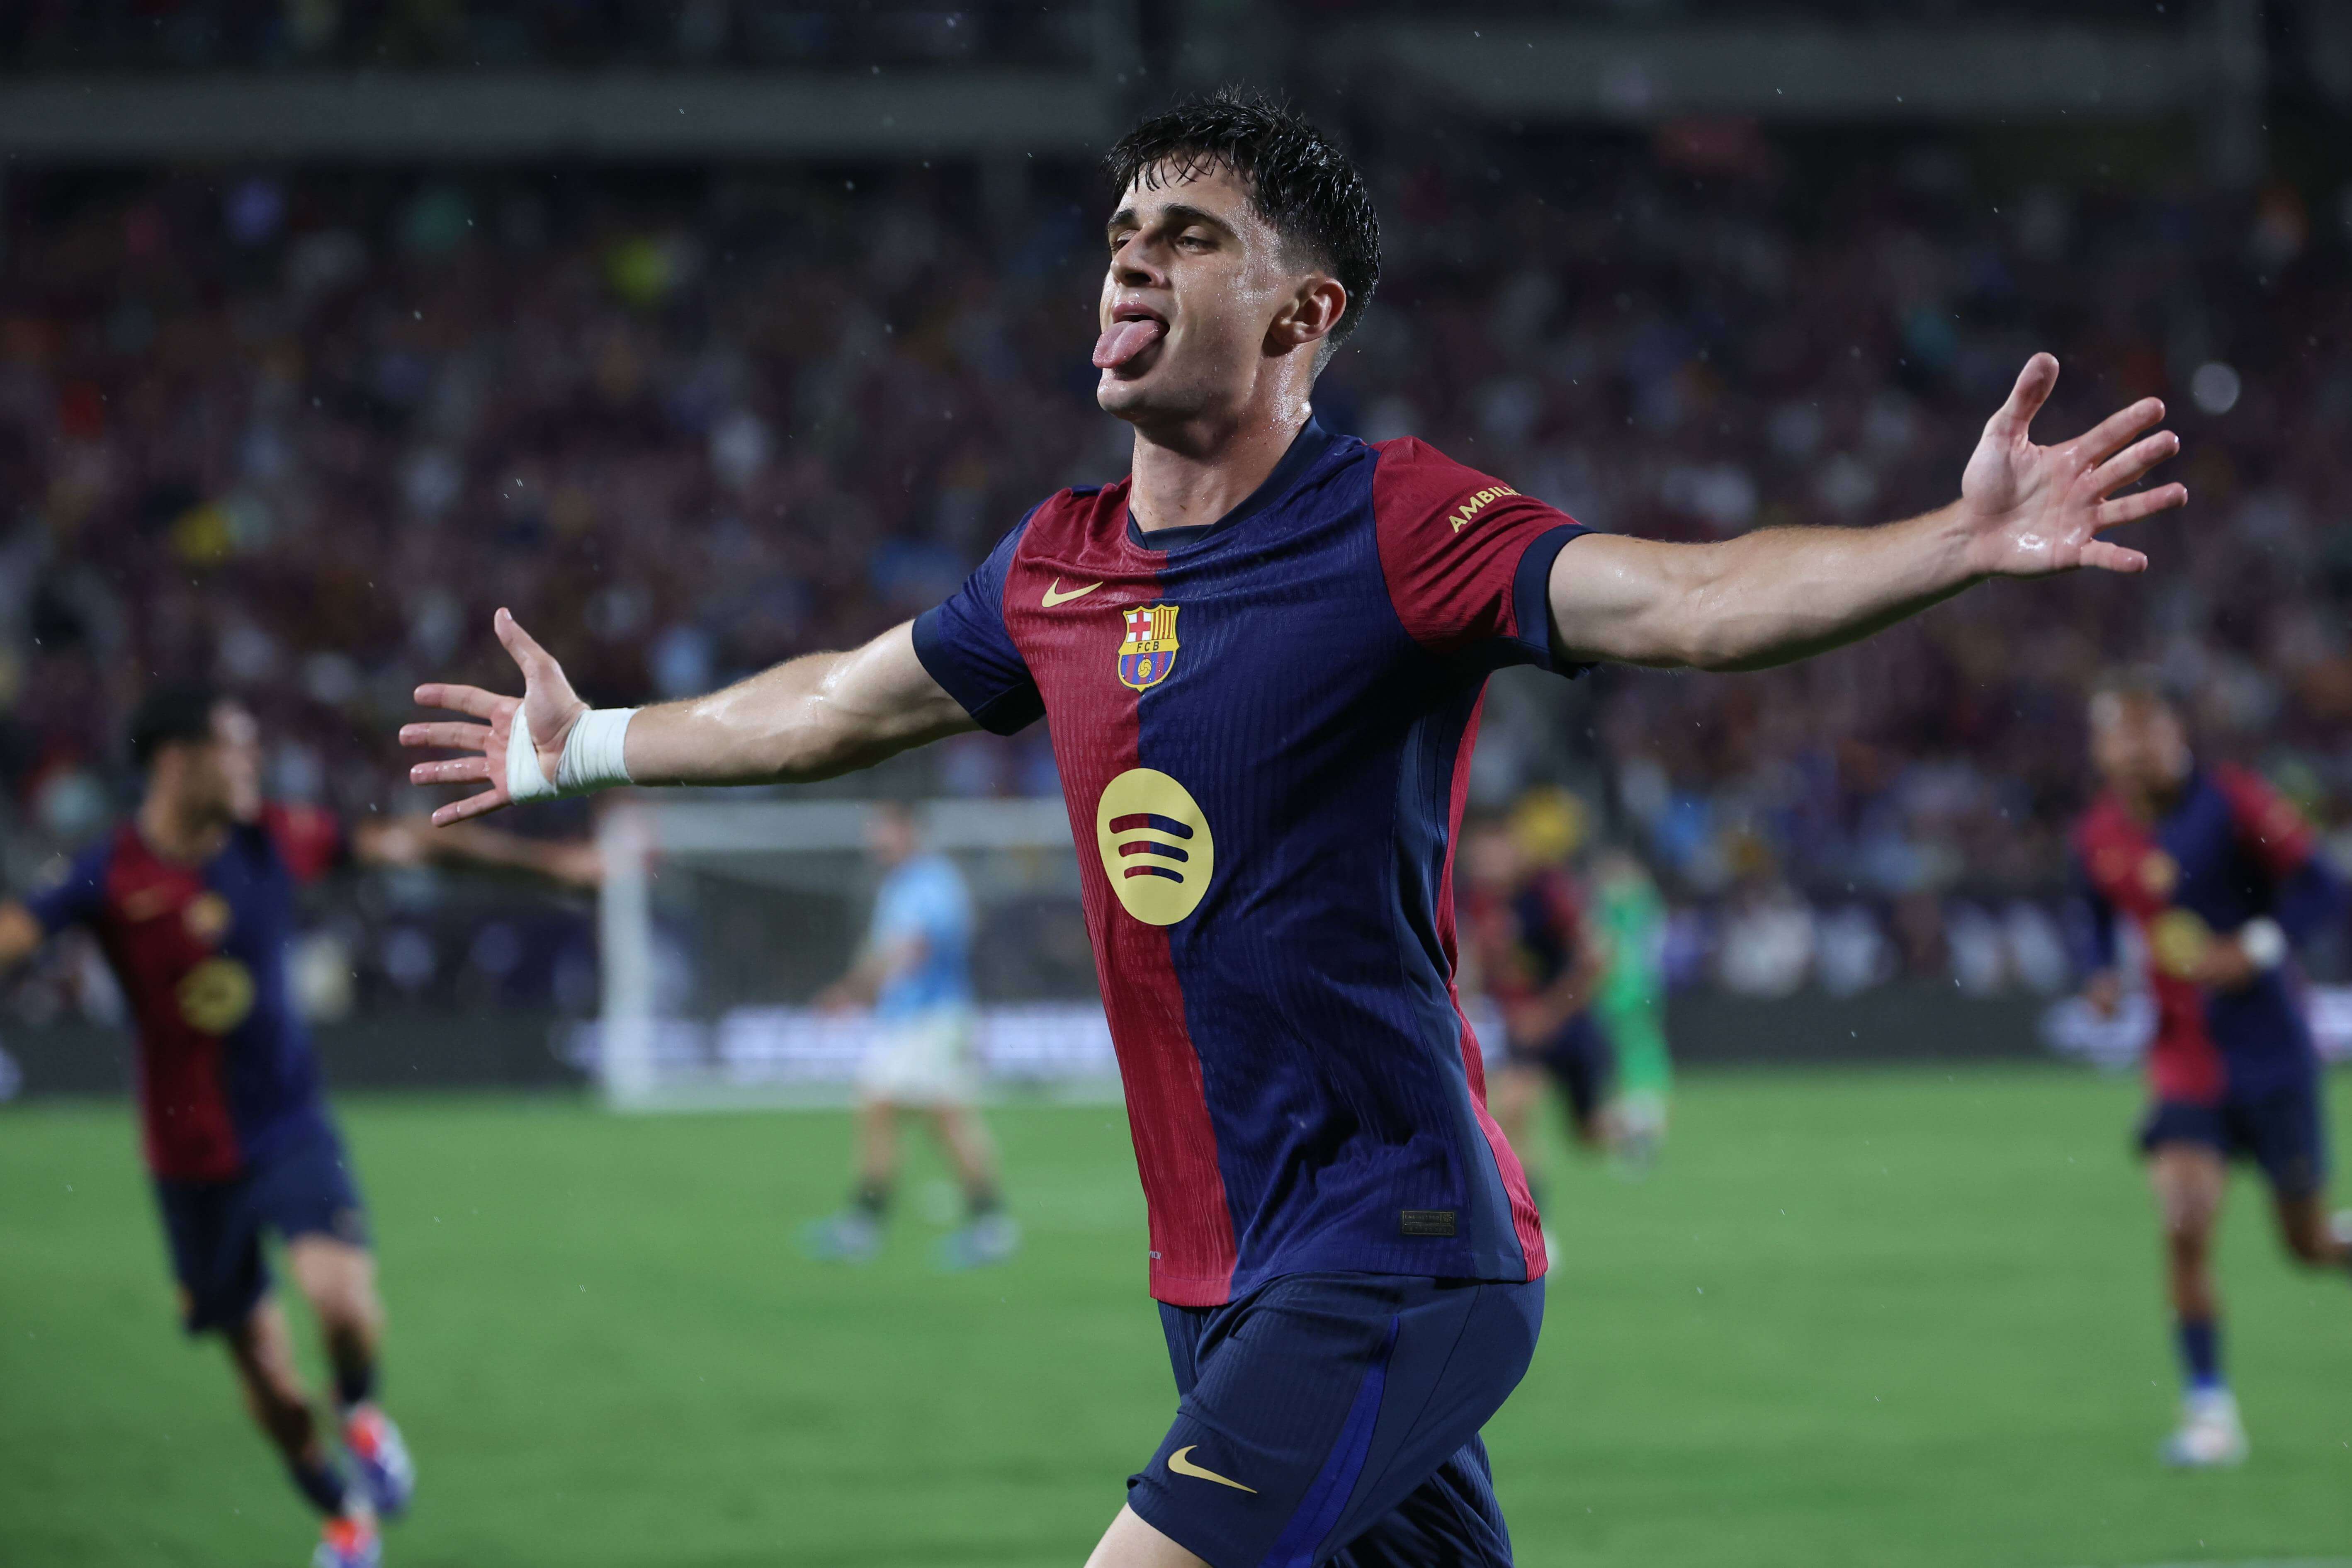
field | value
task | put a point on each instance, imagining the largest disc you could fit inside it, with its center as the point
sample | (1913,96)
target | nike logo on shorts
(1180,1463)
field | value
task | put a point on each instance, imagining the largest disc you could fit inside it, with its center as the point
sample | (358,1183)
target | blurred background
(709,332)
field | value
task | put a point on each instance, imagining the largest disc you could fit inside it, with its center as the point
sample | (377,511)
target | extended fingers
(2132,464)
(2140,504)
(2107,437)
(519,643)
(2032,391)
(455,770)
(471,806)
(2101,556)
(446,735)
(463,699)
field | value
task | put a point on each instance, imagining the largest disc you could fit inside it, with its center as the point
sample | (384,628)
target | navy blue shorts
(2285,1132)
(215,1227)
(1334,1418)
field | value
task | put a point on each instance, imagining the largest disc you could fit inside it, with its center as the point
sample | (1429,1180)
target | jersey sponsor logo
(2178,940)
(1148,649)
(216,995)
(1057,595)
(1156,845)
(1180,1463)
(1467,512)
(207,917)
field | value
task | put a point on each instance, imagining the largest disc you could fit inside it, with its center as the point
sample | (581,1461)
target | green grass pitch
(1876,1318)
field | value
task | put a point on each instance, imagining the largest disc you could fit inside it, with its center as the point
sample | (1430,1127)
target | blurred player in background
(2221,879)
(1262,654)
(1540,963)
(192,901)
(914,973)
(1629,920)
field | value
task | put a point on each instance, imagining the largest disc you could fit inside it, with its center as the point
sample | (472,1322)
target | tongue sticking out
(1125,341)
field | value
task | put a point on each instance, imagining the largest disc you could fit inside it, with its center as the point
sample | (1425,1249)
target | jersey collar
(1312,441)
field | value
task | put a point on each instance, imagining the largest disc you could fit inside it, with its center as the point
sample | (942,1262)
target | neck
(178,833)
(2150,801)
(1195,471)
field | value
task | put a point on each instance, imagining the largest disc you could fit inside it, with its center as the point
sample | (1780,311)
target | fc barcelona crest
(1148,651)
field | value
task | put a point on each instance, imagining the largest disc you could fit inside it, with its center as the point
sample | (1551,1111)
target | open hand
(2036,510)
(548,704)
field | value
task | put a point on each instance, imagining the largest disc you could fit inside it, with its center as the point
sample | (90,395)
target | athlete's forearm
(20,935)
(1767,598)
(811,718)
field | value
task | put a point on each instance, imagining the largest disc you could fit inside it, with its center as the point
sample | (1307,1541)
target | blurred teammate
(192,901)
(1540,962)
(1263,655)
(1629,1004)
(915,972)
(2221,879)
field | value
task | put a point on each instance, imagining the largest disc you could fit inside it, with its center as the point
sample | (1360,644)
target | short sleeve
(1467,558)
(76,897)
(309,839)
(2267,823)
(966,646)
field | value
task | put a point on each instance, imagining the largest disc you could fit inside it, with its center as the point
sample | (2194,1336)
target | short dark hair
(1299,181)
(178,713)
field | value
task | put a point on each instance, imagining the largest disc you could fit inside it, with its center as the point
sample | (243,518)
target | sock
(2201,1354)
(984,1200)
(323,1484)
(354,1385)
(871,1198)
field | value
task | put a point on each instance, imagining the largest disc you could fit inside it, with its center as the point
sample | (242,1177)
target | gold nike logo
(1054,595)
(1179,1465)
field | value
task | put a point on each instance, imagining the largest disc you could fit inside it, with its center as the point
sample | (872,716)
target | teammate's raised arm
(811,717)
(1781,594)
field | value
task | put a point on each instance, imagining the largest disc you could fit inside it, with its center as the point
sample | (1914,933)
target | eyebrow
(1179,214)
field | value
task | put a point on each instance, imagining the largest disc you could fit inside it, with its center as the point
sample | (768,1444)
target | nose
(1131,264)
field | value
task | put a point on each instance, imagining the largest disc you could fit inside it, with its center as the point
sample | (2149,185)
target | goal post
(720,919)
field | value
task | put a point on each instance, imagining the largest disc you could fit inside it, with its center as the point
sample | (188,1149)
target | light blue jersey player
(915,970)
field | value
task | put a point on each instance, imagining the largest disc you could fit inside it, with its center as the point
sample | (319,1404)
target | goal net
(721,919)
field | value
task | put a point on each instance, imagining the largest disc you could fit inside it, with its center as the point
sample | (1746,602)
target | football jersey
(1264,728)
(2222,855)
(924,898)
(226,1075)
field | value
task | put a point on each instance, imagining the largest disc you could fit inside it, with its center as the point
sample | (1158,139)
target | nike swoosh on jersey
(1054,595)
(1180,1465)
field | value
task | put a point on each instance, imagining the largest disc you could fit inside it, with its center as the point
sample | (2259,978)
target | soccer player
(915,972)
(192,901)
(1261,654)
(2221,879)
(1629,1004)
(1540,963)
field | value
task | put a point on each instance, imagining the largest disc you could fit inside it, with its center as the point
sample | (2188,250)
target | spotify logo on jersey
(1155,845)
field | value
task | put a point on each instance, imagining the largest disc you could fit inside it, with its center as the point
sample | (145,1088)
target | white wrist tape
(2263,942)
(592,756)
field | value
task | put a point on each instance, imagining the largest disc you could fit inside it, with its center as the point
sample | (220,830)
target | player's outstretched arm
(812,717)
(408,841)
(1782,594)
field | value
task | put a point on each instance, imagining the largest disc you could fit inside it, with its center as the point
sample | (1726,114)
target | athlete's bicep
(967,647)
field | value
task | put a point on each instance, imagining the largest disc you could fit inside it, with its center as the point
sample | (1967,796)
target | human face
(2138,743)
(1492,858)
(1203,304)
(219,779)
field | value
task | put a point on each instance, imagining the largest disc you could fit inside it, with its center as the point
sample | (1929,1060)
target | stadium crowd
(304,432)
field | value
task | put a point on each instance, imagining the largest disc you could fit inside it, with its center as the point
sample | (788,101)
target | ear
(1308,316)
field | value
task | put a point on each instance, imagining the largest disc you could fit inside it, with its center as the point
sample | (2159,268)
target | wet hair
(1299,181)
(178,713)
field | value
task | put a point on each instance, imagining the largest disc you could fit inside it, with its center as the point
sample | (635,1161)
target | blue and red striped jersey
(226,1070)
(2229,850)
(1264,728)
